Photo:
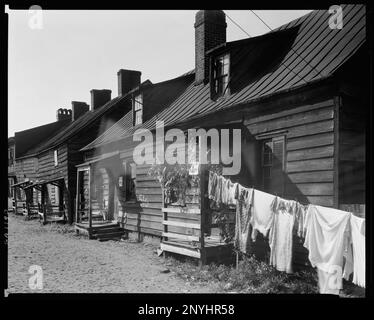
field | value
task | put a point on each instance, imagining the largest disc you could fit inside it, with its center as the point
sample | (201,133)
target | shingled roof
(311,51)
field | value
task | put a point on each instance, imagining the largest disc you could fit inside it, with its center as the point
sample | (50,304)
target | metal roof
(315,52)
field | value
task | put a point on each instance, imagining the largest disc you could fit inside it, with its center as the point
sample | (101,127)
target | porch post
(77,198)
(89,197)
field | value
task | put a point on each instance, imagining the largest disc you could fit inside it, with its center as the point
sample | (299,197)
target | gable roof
(157,96)
(74,127)
(315,52)
(27,140)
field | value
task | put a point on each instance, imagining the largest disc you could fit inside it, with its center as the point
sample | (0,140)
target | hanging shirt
(243,217)
(356,258)
(326,232)
(262,213)
(281,234)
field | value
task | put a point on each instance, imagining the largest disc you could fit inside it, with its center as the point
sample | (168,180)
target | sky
(76,51)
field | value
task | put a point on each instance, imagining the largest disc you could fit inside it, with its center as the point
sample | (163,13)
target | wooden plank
(182,251)
(312,189)
(315,176)
(180,236)
(292,121)
(311,128)
(182,224)
(182,210)
(309,141)
(313,153)
(310,165)
(302,109)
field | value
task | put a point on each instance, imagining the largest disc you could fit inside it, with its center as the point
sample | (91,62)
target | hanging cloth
(243,218)
(262,212)
(326,232)
(356,261)
(281,234)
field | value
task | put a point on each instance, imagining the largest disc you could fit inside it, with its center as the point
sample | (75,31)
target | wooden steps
(101,231)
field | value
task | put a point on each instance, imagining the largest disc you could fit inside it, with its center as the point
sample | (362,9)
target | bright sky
(76,51)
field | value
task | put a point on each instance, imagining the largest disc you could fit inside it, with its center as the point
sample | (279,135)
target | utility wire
(238,25)
(308,63)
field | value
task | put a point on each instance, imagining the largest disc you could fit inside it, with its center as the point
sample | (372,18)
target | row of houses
(299,94)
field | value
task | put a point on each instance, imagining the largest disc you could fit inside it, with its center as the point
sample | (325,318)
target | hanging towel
(326,232)
(281,234)
(243,217)
(262,213)
(356,258)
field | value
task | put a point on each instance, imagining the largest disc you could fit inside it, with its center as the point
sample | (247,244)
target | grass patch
(251,276)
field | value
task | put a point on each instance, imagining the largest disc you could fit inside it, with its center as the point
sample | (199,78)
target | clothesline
(279,219)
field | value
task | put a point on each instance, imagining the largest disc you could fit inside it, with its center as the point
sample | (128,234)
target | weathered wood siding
(309,148)
(352,122)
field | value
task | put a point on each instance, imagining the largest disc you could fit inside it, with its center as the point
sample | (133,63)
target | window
(272,157)
(220,74)
(138,109)
(128,181)
(56,157)
(11,156)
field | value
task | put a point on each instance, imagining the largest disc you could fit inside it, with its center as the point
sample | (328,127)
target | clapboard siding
(309,149)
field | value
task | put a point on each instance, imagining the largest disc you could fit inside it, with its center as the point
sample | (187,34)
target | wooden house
(26,165)
(53,175)
(11,173)
(299,94)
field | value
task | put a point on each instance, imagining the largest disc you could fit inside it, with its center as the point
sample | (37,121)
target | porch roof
(22,184)
(98,159)
(41,182)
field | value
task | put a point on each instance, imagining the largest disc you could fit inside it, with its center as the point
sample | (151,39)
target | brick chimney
(79,108)
(127,80)
(63,114)
(99,98)
(210,31)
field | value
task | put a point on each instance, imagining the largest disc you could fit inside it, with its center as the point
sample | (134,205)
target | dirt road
(73,264)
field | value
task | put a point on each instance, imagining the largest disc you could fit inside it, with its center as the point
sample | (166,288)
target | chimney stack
(63,114)
(127,80)
(210,32)
(79,108)
(99,98)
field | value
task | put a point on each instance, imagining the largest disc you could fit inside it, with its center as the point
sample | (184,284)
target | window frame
(217,79)
(128,177)
(136,102)
(273,137)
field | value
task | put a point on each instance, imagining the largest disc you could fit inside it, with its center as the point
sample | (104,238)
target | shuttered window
(273,165)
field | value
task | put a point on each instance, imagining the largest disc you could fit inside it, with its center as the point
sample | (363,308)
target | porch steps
(107,232)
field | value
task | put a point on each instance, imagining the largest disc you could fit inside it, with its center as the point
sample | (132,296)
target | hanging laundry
(281,234)
(300,220)
(356,261)
(228,192)
(326,232)
(262,212)
(243,218)
(212,184)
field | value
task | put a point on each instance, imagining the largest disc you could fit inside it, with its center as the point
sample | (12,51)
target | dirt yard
(73,264)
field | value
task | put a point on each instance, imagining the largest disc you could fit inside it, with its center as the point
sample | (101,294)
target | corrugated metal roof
(316,52)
